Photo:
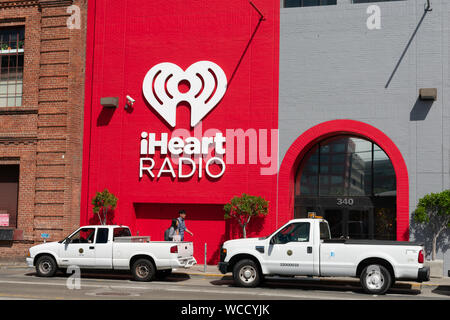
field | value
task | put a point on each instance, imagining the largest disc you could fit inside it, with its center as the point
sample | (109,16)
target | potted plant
(243,208)
(102,202)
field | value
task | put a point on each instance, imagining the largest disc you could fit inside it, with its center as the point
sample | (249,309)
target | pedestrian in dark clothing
(181,224)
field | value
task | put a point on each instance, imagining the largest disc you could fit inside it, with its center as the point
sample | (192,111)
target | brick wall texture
(44,135)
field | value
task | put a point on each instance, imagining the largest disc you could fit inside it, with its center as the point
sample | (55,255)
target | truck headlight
(223,254)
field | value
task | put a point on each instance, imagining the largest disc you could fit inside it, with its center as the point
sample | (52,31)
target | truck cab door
(103,248)
(291,251)
(78,249)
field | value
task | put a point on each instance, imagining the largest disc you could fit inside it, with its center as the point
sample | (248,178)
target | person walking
(171,231)
(181,224)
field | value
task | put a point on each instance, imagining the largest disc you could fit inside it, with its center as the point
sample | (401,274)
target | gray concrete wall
(333,67)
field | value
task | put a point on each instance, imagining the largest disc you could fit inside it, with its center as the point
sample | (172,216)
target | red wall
(125,39)
(204,220)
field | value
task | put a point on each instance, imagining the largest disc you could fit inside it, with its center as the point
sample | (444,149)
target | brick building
(42,55)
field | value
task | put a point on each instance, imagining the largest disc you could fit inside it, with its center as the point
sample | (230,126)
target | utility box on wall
(429,94)
(6,234)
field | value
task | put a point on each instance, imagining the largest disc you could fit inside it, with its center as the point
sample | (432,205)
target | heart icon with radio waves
(207,85)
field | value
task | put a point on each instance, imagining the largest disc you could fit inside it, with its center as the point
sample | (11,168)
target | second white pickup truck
(111,248)
(304,247)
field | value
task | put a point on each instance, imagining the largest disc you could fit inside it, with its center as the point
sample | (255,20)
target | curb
(13,266)
(202,274)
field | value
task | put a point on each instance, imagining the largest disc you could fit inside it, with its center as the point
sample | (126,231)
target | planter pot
(436,268)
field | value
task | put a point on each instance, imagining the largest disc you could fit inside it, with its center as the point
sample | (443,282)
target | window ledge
(10,51)
(18,110)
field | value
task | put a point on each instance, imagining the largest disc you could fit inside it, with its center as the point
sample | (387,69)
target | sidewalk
(199,269)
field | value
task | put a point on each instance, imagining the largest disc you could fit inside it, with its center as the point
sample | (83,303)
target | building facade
(354,71)
(337,81)
(337,107)
(41,116)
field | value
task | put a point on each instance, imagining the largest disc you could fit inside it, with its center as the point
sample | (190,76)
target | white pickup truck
(303,247)
(111,247)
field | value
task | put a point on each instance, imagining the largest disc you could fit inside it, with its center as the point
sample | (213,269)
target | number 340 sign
(345,201)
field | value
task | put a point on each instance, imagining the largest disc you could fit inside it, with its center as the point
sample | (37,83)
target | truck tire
(375,279)
(46,266)
(246,274)
(143,270)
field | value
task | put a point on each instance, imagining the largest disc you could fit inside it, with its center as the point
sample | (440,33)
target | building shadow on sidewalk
(443,290)
(302,283)
(117,275)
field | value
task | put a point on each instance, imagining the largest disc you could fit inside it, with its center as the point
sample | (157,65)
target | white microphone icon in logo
(207,82)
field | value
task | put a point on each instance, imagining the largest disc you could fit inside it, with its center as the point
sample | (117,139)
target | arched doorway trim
(325,130)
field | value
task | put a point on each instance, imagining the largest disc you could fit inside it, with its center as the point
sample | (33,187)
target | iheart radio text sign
(193,150)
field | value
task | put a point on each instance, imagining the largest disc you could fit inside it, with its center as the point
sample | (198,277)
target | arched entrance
(350,181)
(344,200)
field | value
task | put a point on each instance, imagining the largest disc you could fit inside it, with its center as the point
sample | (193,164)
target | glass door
(360,223)
(352,223)
(336,218)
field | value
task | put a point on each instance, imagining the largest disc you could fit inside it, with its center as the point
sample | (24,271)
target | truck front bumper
(223,267)
(423,274)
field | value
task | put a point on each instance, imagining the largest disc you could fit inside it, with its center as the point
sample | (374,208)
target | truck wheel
(46,266)
(375,279)
(246,273)
(143,270)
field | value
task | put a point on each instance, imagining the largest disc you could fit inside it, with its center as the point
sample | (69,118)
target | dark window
(324,231)
(308,183)
(385,223)
(102,235)
(308,3)
(85,235)
(346,166)
(12,44)
(122,232)
(9,194)
(384,183)
(358,224)
(295,232)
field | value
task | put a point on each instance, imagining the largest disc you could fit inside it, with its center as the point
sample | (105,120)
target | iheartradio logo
(207,84)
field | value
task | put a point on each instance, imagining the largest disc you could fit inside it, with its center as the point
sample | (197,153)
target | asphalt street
(22,283)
